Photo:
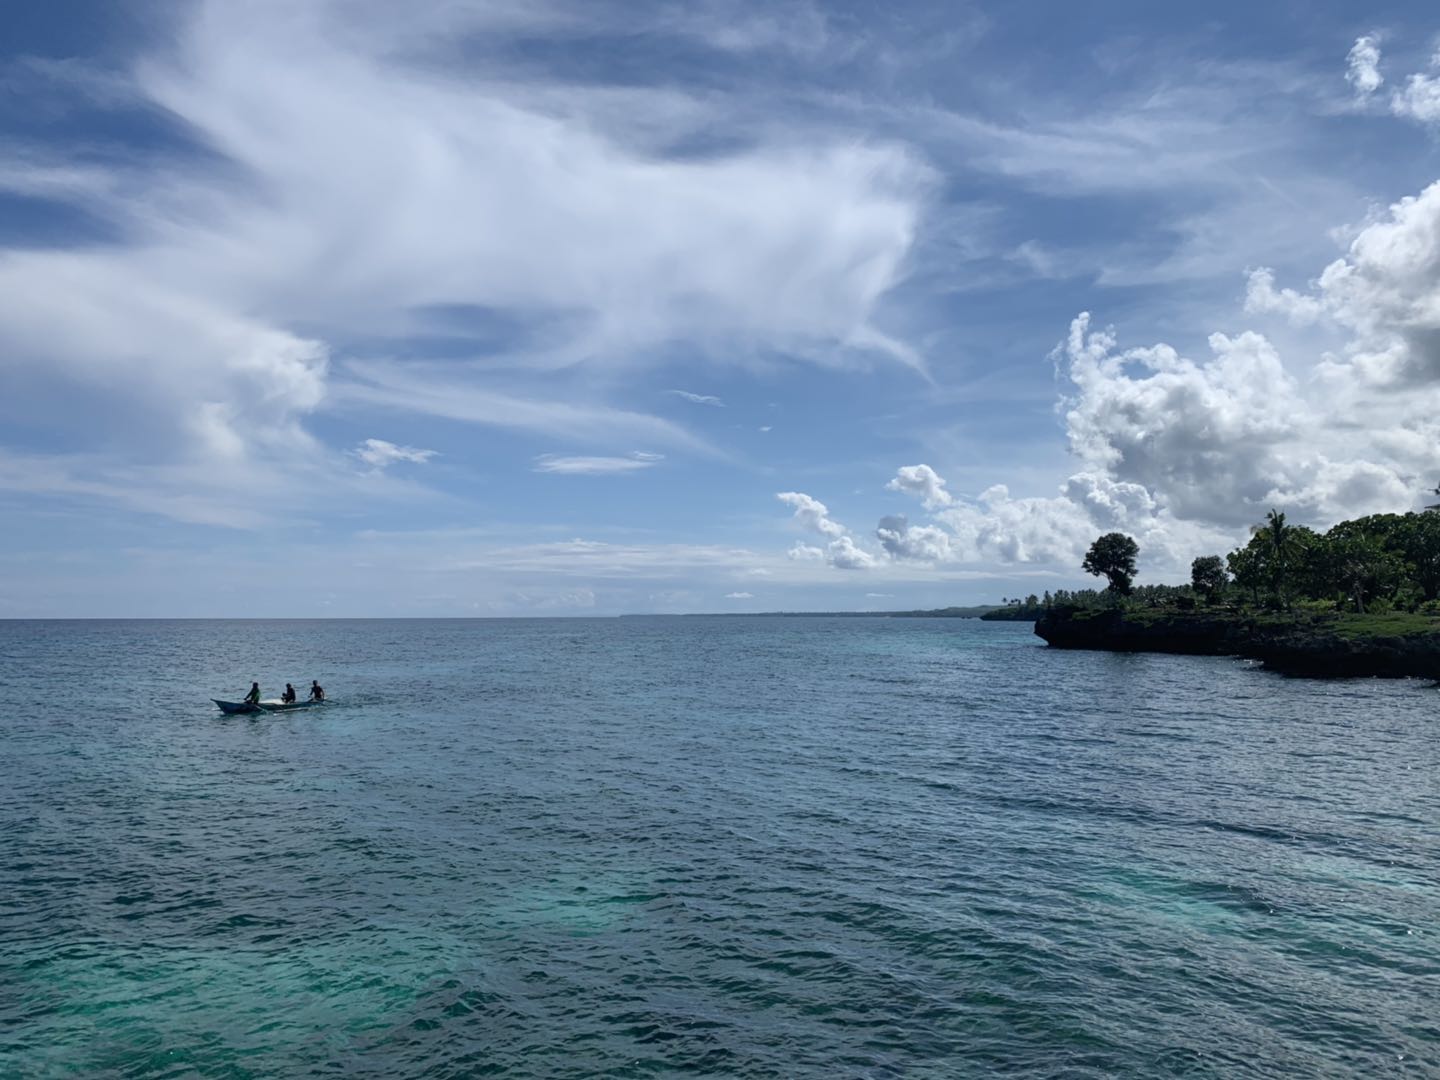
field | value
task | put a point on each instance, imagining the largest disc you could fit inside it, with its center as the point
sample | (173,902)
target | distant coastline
(980,611)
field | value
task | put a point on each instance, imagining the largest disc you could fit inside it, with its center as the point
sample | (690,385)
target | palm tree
(1284,545)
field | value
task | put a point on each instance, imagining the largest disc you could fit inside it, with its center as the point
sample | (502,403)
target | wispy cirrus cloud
(346,179)
(1363,66)
(381,454)
(1419,98)
(699,399)
(288,225)
(1416,98)
(436,392)
(580,465)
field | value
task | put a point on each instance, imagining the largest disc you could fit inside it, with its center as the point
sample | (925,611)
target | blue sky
(541,308)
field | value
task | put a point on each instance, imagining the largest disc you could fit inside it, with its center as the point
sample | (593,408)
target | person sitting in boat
(253,697)
(317,692)
(289,695)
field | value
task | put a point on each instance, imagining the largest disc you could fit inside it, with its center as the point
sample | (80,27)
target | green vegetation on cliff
(1362,598)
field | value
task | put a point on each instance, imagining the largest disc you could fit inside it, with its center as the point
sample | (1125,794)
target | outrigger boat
(237,708)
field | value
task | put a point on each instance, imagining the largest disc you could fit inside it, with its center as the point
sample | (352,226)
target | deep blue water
(715,846)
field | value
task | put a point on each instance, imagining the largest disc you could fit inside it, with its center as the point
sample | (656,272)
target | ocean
(731,847)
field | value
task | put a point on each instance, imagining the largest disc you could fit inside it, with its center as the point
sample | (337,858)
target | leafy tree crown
(1112,557)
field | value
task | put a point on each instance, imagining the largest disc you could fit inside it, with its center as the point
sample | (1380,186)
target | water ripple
(730,847)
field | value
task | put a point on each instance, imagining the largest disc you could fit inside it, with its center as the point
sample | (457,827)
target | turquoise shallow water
(725,847)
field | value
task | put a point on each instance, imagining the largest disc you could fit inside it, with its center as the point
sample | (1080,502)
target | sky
(490,308)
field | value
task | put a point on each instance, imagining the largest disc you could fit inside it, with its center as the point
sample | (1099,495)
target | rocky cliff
(1331,645)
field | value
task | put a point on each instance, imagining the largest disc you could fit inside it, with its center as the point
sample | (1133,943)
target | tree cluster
(1385,561)
(1377,563)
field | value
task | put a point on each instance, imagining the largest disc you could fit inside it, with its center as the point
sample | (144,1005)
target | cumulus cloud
(923,482)
(1385,293)
(1214,435)
(739,596)
(812,514)
(843,554)
(998,527)
(1262,298)
(1363,66)
(581,465)
(379,454)
(901,540)
(1186,452)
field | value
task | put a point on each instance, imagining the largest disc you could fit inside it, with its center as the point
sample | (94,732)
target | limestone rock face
(1324,646)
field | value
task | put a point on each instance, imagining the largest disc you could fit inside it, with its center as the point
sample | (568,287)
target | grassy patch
(1390,624)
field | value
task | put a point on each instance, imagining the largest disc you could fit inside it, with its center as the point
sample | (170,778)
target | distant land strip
(977,612)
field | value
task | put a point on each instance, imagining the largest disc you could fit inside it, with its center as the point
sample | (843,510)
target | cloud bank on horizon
(418,288)
(1184,453)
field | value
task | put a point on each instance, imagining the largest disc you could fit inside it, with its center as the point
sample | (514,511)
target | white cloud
(798,29)
(803,552)
(1262,298)
(1186,453)
(596,466)
(354,181)
(1029,530)
(246,493)
(812,514)
(457,552)
(699,399)
(1386,293)
(379,454)
(1363,66)
(1217,442)
(182,367)
(923,543)
(1109,503)
(417,388)
(843,554)
(447,188)
(1214,436)
(739,596)
(1417,98)
(922,482)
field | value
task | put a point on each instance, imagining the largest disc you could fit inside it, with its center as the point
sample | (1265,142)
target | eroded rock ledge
(1327,646)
